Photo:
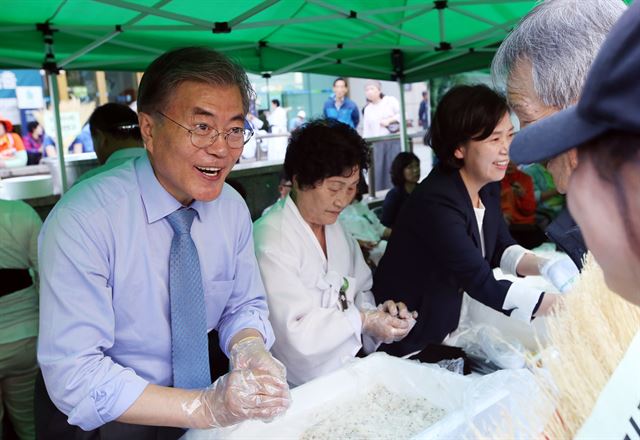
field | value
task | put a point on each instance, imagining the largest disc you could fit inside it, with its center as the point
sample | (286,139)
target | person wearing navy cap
(604,128)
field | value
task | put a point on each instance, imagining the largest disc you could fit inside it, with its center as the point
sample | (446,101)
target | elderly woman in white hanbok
(318,284)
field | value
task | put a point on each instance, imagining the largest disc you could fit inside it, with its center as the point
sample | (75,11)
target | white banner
(9,110)
(30,97)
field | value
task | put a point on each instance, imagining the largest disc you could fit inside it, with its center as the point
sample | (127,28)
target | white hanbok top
(313,335)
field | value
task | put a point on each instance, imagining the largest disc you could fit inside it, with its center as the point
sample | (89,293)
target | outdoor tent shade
(406,40)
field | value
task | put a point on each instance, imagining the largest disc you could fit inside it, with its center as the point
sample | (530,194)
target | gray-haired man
(544,62)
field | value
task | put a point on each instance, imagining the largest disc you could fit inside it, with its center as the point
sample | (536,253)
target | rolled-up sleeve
(77,324)
(247,306)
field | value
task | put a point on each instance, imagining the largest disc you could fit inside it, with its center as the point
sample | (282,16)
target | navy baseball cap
(610,99)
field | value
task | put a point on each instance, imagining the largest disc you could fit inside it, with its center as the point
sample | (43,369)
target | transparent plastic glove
(561,272)
(251,354)
(237,396)
(383,327)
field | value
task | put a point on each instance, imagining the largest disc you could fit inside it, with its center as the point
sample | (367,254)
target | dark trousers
(51,423)
(33,158)
(383,154)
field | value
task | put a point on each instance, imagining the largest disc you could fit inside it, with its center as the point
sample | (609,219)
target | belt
(12,280)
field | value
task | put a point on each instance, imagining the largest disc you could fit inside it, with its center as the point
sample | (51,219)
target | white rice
(379,414)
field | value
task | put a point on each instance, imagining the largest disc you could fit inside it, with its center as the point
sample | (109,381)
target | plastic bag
(521,413)
(490,349)
(472,411)
(453,365)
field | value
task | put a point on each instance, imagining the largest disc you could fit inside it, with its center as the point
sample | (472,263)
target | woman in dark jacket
(451,232)
(405,174)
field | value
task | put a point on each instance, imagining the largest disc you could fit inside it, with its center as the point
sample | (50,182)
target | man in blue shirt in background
(127,253)
(340,107)
(82,142)
(116,137)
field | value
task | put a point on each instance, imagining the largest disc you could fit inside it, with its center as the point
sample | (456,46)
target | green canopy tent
(380,39)
(402,40)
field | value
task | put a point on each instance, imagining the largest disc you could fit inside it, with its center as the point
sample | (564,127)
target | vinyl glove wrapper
(561,272)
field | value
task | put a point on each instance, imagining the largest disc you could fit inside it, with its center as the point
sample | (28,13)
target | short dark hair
(400,162)
(610,153)
(282,177)
(196,64)
(340,79)
(362,189)
(324,148)
(32,125)
(276,102)
(465,113)
(115,120)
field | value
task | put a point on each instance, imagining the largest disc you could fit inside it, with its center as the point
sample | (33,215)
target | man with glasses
(140,262)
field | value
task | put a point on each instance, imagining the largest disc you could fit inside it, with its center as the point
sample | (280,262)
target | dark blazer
(392,205)
(434,255)
(565,233)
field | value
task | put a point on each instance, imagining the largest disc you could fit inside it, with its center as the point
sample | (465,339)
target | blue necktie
(189,347)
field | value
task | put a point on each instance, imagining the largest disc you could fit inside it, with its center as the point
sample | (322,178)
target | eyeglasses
(203,136)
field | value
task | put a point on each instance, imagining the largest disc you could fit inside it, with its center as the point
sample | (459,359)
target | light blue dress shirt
(105,329)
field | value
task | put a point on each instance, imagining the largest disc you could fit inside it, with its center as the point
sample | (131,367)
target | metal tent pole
(52,70)
(266,76)
(55,101)
(441,20)
(85,50)
(403,120)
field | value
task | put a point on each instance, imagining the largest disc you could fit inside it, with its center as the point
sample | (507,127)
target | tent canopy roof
(335,37)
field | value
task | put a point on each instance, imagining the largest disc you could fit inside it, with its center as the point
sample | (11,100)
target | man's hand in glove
(235,397)
(250,353)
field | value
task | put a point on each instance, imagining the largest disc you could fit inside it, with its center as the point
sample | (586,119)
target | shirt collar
(158,203)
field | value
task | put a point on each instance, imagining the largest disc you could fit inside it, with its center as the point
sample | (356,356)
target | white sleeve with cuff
(511,258)
(520,297)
